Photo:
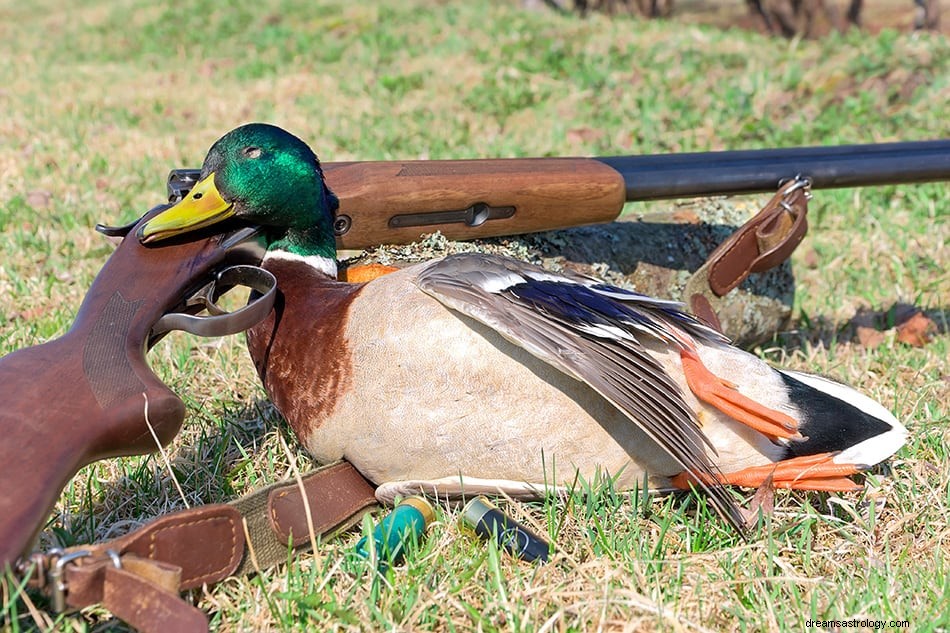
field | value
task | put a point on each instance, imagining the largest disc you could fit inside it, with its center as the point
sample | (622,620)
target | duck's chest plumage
(405,388)
(300,350)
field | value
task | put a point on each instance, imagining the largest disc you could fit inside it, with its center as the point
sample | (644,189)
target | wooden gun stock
(90,393)
(393,202)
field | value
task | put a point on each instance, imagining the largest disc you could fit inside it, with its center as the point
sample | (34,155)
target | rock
(655,255)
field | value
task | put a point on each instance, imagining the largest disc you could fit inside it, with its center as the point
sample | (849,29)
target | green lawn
(100,99)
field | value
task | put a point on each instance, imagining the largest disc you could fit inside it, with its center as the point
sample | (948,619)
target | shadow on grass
(215,460)
(870,328)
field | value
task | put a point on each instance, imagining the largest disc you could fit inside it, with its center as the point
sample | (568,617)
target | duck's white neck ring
(324,265)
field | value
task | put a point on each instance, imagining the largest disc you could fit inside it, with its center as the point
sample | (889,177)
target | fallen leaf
(30,314)
(870,337)
(903,322)
(811,259)
(916,331)
(583,135)
(39,199)
(762,504)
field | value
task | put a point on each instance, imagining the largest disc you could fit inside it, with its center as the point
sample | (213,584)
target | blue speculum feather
(671,310)
(575,303)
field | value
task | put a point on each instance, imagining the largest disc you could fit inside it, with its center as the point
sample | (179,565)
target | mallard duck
(479,373)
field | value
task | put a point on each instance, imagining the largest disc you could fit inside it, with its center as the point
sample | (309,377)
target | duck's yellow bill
(203,206)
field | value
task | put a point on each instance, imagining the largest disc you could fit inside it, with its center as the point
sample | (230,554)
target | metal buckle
(114,557)
(798,182)
(57,579)
(34,569)
(56,576)
(46,571)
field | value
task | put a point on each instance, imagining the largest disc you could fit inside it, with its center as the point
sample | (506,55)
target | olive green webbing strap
(276,516)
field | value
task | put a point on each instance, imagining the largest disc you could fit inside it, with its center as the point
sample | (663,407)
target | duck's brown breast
(300,350)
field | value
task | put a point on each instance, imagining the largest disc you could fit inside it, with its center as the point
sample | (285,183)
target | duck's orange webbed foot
(364,273)
(809,472)
(723,395)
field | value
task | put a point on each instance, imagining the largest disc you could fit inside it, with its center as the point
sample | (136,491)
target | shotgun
(90,393)
(396,202)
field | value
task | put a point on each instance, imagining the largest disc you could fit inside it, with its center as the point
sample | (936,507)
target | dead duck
(479,373)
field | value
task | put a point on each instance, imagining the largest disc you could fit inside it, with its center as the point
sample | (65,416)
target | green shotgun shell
(491,523)
(407,522)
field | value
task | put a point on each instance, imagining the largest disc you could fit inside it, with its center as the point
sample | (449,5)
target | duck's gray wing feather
(589,331)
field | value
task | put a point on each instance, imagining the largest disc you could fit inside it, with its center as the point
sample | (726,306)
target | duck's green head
(266,176)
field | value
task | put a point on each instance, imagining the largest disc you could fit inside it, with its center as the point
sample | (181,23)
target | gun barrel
(396,202)
(659,176)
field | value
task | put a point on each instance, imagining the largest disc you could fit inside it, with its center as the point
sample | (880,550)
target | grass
(100,99)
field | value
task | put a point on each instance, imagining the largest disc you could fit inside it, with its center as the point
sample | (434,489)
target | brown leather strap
(765,241)
(205,543)
(138,576)
(147,607)
(327,505)
(132,594)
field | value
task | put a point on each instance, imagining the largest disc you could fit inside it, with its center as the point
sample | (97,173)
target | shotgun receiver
(90,394)
(396,202)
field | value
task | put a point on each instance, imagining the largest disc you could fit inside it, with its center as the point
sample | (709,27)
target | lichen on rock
(654,254)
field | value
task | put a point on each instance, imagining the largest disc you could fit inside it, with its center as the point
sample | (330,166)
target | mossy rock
(654,254)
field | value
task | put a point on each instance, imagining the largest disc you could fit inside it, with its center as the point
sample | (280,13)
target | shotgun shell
(491,523)
(407,522)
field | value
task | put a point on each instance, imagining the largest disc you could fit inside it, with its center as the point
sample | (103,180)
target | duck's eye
(197,195)
(252,152)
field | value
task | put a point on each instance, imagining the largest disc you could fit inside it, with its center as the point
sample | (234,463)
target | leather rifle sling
(138,576)
(765,241)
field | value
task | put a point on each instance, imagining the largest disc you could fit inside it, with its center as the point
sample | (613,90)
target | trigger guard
(222,323)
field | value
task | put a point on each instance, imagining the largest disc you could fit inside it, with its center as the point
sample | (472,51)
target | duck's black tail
(837,418)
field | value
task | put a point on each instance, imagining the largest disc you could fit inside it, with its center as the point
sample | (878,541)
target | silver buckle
(57,579)
(56,576)
(798,182)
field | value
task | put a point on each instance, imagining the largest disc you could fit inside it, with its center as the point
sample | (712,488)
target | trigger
(221,322)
